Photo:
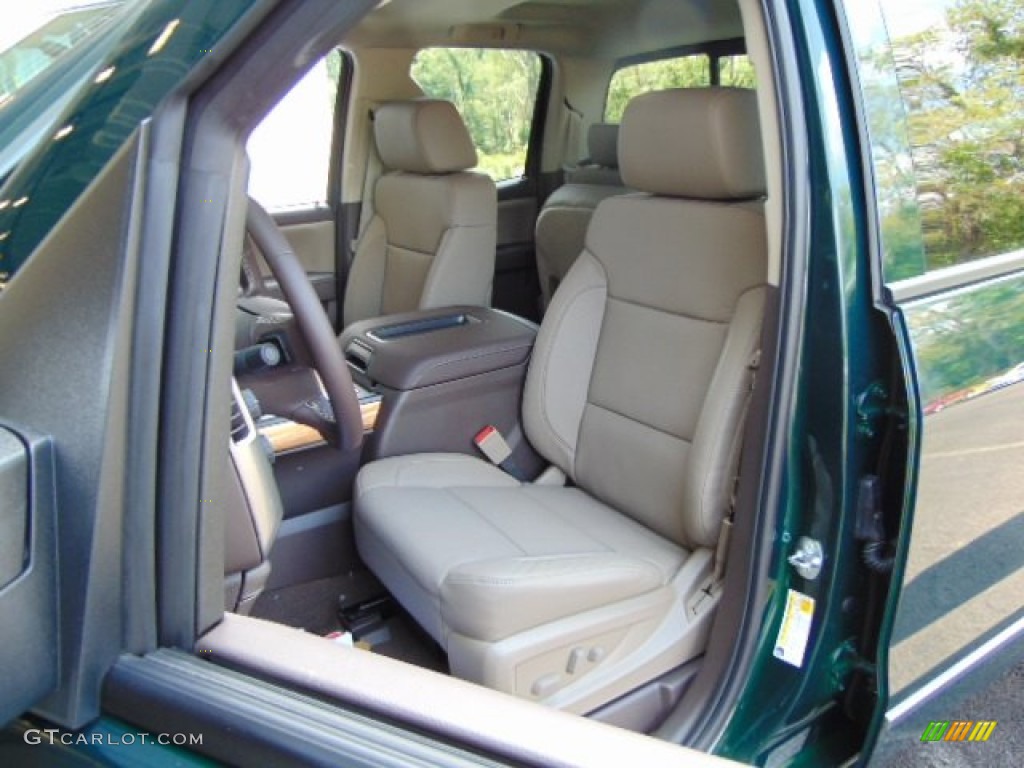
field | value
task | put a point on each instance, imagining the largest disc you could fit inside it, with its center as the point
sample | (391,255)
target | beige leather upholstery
(636,390)
(602,165)
(431,241)
(563,220)
(714,151)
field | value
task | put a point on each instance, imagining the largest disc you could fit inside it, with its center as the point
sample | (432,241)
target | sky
(905,17)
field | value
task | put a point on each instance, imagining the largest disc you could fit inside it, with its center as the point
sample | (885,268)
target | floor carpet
(313,607)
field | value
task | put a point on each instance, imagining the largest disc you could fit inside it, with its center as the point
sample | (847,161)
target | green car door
(942,83)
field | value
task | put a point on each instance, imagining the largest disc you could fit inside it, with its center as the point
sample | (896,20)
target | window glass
(290,151)
(736,71)
(942,83)
(960,72)
(628,82)
(34,39)
(495,91)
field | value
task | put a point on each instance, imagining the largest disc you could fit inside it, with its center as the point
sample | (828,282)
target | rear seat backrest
(602,165)
(563,220)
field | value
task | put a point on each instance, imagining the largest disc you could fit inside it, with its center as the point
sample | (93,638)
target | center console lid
(419,349)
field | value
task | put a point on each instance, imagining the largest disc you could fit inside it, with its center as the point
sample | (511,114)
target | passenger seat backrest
(431,241)
(639,375)
(562,223)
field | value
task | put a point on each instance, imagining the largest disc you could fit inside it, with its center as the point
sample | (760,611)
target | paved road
(1002,701)
(965,575)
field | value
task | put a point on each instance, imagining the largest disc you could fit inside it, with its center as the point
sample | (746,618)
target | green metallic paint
(105,114)
(809,716)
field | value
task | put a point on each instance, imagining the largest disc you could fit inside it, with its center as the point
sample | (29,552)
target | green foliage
(963,84)
(736,71)
(683,72)
(334,64)
(494,91)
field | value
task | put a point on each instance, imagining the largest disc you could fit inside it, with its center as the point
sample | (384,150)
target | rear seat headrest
(603,144)
(700,143)
(423,136)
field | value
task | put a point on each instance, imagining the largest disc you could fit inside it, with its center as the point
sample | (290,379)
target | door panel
(28,573)
(312,239)
(949,188)
(313,242)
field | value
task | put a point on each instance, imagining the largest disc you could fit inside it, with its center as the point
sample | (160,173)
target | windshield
(47,49)
(40,34)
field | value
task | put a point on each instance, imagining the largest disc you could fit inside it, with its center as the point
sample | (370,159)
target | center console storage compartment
(443,374)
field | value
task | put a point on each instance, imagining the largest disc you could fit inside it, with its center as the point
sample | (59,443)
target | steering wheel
(343,417)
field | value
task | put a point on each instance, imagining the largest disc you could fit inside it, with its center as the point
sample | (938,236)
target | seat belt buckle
(492,445)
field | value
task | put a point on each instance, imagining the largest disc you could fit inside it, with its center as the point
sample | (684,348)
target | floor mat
(313,605)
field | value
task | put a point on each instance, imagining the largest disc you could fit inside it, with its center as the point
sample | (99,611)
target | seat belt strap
(573,121)
(371,172)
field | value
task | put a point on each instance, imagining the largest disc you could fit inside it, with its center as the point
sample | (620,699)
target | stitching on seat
(738,430)
(596,539)
(545,363)
(471,508)
(554,513)
(435,459)
(495,581)
(614,412)
(672,312)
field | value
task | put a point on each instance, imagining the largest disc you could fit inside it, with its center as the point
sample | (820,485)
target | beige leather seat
(576,594)
(431,241)
(564,218)
(601,168)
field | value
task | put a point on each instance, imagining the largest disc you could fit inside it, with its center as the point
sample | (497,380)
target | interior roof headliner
(602,28)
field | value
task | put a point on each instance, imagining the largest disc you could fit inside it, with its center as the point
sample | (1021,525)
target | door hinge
(845,661)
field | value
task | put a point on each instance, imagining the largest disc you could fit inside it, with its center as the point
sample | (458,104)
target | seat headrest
(603,144)
(700,143)
(423,136)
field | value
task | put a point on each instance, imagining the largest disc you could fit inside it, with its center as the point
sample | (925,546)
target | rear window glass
(495,91)
(692,71)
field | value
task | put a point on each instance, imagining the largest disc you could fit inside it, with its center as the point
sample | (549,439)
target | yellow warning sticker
(796,628)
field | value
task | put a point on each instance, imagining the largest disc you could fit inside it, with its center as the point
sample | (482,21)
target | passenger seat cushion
(431,470)
(476,557)
(493,599)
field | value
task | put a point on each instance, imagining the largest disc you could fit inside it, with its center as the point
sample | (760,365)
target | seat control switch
(546,685)
(576,658)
